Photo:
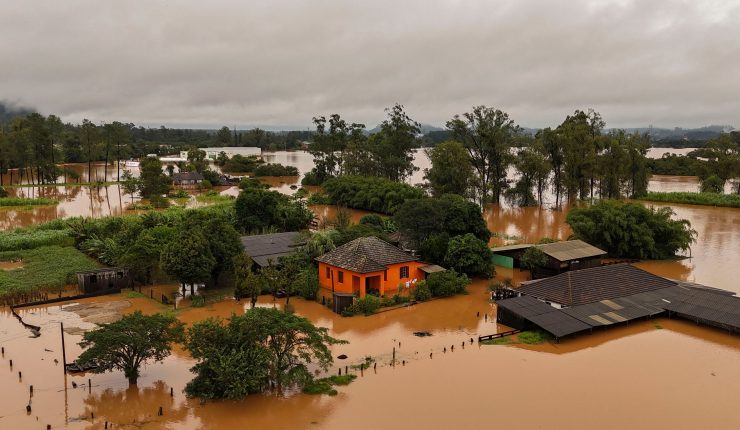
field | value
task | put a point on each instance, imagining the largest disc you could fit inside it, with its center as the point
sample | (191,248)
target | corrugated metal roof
(546,317)
(511,247)
(432,268)
(570,250)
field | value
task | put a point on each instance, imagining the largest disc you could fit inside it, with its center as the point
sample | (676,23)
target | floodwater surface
(668,373)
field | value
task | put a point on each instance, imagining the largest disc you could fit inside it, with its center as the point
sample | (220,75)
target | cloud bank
(279,63)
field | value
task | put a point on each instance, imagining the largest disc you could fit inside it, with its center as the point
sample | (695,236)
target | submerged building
(561,256)
(579,301)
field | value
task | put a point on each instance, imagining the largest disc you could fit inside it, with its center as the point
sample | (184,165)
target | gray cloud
(278,63)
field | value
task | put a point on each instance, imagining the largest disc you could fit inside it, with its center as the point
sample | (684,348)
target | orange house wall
(388,283)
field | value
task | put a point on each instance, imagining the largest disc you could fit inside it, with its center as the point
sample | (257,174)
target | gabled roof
(187,176)
(592,285)
(365,255)
(566,250)
(570,250)
(267,248)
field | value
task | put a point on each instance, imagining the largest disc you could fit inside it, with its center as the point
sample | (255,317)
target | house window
(385,275)
(328,272)
(341,277)
(404,272)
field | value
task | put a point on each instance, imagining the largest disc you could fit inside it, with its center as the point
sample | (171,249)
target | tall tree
(89,138)
(451,171)
(393,145)
(487,134)
(534,170)
(130,342)
(152,180)
(188,258)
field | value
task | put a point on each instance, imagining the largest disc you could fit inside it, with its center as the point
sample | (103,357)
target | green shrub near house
(364,306)
(370,193)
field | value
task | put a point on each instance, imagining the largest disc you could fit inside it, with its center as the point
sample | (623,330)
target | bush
(447,283)
(159,202)
(179,194)
(251,184)
(370,193)
(318,199)
(630,230)
(275,170)
(205,185)
(469,255)
(239,164)
(707,199)
(713,184)
(533,259)
(422,292)
(365,306)
(311,178)
(3,192)
(34,237)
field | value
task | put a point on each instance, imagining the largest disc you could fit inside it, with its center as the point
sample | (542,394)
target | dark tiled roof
(365,255)
(592,285)
(263,248)
(548,318)
(187,176)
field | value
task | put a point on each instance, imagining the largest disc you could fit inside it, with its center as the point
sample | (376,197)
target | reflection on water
(552,376)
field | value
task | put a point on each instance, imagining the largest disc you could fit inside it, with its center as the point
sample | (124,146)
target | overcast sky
(279,63)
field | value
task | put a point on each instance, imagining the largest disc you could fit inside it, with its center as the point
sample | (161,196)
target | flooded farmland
(645,367)
(657,373)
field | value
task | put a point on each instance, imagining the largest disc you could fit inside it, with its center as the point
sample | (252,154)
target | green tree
(152,180)
(130,342)
(488,135)
(252,352)
(130,184)
(469,255)
(533,259)
(393,145)
(534,170)
(447,283)
(89,136)
(197,160)
(188,258)
(223,136)
(451,171)
(630,230)
(713,184)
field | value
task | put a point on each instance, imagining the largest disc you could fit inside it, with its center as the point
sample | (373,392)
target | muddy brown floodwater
(651,374)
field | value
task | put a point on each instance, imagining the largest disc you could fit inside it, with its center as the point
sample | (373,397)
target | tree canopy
(631,230)
(128,343)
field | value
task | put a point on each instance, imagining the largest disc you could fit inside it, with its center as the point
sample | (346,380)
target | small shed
(187,178)
(105,280)
(266,249)
(561,256)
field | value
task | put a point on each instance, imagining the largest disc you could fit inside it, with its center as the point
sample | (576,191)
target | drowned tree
(130,342)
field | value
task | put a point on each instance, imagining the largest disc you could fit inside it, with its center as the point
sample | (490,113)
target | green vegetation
(364,306)
(370,193)
(258,210)
(152,181)
(19,201)
(239,164)
(213,197)
(46,268)
(34,237)
(340,148)
(130,342)
(631,230)
(707,199)
(254,351)
(469,255)
(533,259)
(451,172)
(325,385)
(270,169)
(446,284)
(3,193)
(525,337)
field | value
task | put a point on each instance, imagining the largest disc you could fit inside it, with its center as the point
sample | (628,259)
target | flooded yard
(671,373)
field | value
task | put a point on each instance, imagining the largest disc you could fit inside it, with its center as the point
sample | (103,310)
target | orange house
(367,265)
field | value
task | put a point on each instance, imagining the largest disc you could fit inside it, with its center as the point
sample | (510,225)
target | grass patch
(525,337)
(34,237)
(19,201)
(213,197)
(533,337)
(326,385)
(47,268)
(705,199)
